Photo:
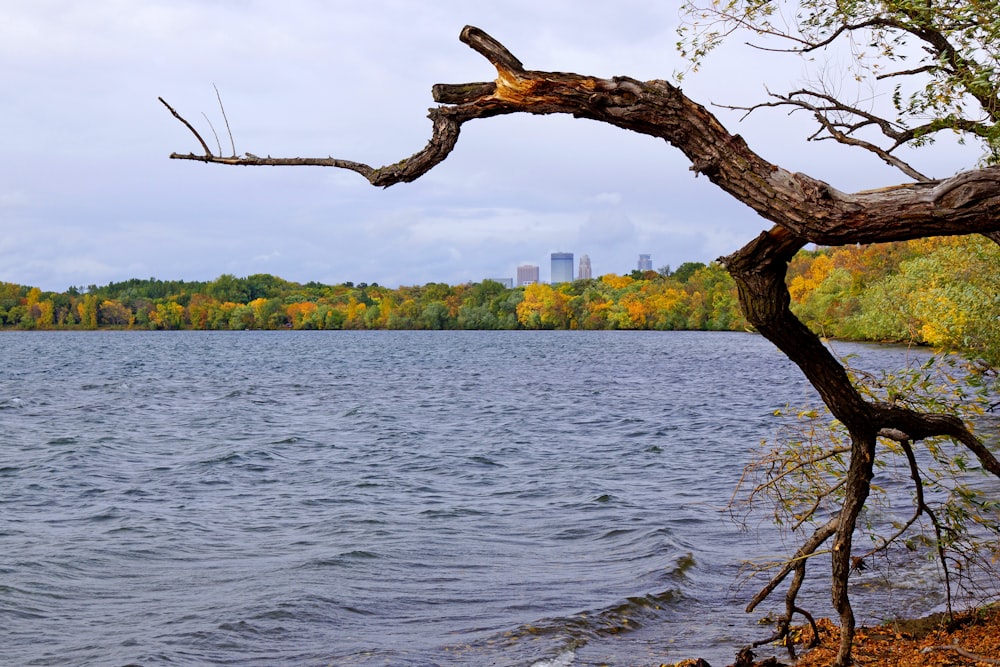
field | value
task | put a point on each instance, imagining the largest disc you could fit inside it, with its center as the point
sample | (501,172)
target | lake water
(386,498)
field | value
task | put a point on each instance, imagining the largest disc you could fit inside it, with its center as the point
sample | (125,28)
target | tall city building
(527,274)
(645,263)
(584,273)
(562,267)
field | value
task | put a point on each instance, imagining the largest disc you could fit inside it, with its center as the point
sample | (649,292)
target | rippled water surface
(379,498)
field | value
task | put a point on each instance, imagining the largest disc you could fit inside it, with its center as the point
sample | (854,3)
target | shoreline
(969,638)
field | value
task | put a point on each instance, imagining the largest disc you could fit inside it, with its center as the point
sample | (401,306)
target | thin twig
(231,142)
(212,127)
(181,118)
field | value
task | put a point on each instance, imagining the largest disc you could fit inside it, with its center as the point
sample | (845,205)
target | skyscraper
(645,263)
(562,267)
(584,272)
(527,274)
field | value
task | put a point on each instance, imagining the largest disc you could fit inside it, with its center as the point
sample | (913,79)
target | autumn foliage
(699,297)
(969,639)
(939,292)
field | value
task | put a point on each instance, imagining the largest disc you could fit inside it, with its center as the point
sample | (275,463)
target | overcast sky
(88,194)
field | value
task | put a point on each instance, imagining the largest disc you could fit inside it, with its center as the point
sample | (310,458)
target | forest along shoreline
(877,293)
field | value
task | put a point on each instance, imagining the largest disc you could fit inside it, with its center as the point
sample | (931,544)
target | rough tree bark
(803,210)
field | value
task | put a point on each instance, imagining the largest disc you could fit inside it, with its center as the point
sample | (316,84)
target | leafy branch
(801,479)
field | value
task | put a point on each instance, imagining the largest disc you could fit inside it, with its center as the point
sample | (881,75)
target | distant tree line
(939,291)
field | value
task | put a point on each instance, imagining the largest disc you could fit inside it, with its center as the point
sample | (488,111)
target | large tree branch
(810,208)
(920,426)
(437,149)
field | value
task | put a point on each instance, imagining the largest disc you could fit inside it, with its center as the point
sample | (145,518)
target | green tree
(483,294)
(228,287)
(434,316)
(241,318)
(947,298)
(15,315)
(476,317)
(265,286)
(686,270)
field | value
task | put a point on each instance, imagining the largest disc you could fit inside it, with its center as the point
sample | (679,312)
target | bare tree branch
(811,209)
(225,118)
(807,550)
(188,125)
(841,131)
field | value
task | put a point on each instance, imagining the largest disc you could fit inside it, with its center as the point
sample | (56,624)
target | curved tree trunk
(759,271)
(804,210)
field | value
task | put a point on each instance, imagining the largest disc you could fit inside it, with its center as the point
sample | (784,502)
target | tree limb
(811,209)
(919,426)
(188,125)
(808,549)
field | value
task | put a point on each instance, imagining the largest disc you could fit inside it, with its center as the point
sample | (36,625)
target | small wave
(564,659)
(622,618)
(485,461)
(359,553)
(107,514)
(574,533)
(629,615)
(340,560)
(684,563)
(265,400)
(249,629)
(452,513)
(231,457)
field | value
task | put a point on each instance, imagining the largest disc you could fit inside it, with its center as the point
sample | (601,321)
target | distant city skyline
(561,269)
